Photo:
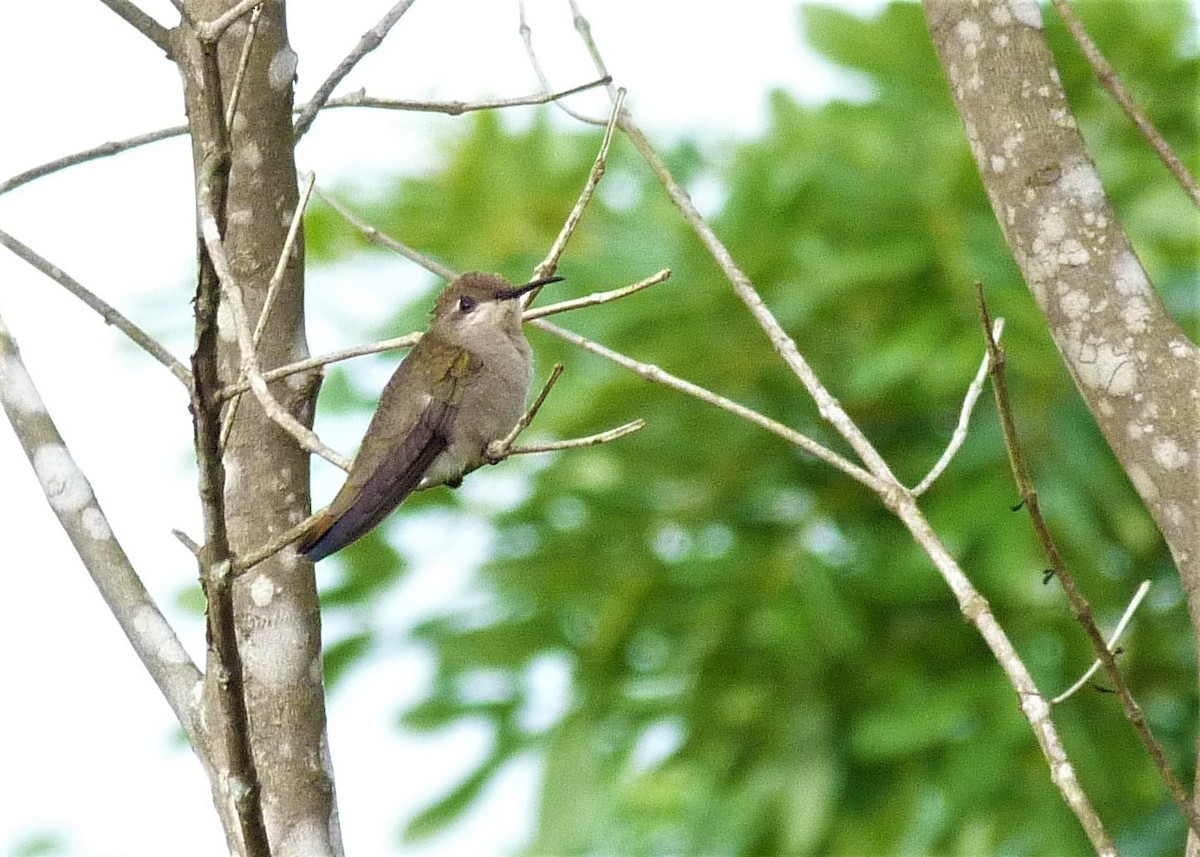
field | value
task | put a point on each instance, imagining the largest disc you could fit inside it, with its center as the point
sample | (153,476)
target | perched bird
(460,388)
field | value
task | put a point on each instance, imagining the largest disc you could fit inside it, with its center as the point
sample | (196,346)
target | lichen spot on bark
(63,483)
(282,69)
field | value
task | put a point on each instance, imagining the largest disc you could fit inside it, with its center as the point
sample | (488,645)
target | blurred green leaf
(759,660)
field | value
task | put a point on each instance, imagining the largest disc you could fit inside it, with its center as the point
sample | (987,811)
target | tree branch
(377,237)
(106,311)
(239,79)
(653,373)
(1111,81)
(70,496)
(272,290)
(596,298)
(580,442)
(210,32)
(457,108)
(370,40)
(211,232)
(1134,603)
(893,495)
(1080,608)
(411,339)
(143,23)
(964,418)
(548,265)
(354,99)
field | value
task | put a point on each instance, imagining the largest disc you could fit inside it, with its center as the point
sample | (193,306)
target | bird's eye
(466,303)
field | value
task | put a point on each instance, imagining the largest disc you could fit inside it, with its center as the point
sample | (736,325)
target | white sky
(85,740)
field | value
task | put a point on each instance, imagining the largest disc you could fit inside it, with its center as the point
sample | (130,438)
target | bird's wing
(363,502)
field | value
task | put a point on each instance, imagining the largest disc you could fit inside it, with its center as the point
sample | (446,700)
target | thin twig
(188,542)
(247,561)
(580,442)
(104,150)
(269,301)
(211,31)
(1080,607)
(106,311)
(498,450)
(375,236)
(1111,81)
(358,99)
(70,496)
(406,341)
(527,40)
(548,265)
(142,22)
(370,40)
(828,406)
(249,359)
(235,93)
(285,255)
(659,376)
(458,108)
(596,298)
(1134,603)
(964,417)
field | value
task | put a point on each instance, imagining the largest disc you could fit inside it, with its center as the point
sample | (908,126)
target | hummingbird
(460,388)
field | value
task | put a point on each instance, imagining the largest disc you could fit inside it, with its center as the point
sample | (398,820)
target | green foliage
(760,661)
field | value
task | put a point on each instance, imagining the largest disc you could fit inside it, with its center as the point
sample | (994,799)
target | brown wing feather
(386,488)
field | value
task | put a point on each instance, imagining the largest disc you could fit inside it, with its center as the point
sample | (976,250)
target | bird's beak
(520,290)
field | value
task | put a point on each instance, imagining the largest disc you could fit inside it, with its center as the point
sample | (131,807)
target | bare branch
(272,289)
(370,40)
(1134,603)
(893,495)
(659,376)
(829,407)
(211,31)
(653,373)
(1080,608)
(247,561)
(550,263)
(1111,81)
(457,108)
(188,542)
(354,99)
(407,341)
(527,40)
(235,93)
(232,292)
(498,450)
(964,417)
(374,235)
(105,310)
(580,442)
(104,150)
(70,496)
(142,22)
(596,298)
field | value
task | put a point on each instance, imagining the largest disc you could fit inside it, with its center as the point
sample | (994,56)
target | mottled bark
(263,474)
(1134,366)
